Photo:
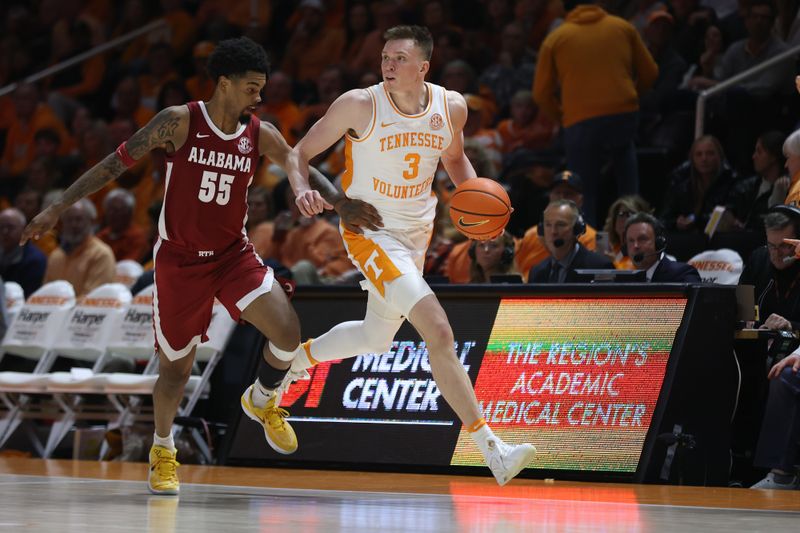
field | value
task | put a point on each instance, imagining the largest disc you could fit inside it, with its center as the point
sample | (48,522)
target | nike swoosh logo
(471,224)
(387,124)
(201,136)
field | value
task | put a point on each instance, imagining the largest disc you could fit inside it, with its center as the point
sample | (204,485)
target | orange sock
(475,426)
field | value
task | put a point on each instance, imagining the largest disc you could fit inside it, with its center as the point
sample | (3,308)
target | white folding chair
(127,272)
(84,337)
(130,386)
(15,299)
(32,335)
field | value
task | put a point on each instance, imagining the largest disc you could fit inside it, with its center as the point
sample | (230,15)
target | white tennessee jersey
(392,166)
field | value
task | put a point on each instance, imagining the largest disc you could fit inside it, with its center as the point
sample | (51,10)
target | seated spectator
(24,264)
(707,71)
(618,214)
(513,67)
(774,272)
(81,258)
(751,198)
(531,251)
(30,116)
(260,227)
(126,239)
(760,45)
(562,224)
(313,46)
(697,187)
(791,150)
(488,138)
(491,258)
(358,24)
(30,202)
(127,103)
(527,128)
(299,241)
(200,85)
(278,103)
(160,70)
(780,432)
(645,242)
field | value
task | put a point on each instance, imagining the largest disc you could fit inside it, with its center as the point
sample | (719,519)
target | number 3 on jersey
(413,166)
(210,188)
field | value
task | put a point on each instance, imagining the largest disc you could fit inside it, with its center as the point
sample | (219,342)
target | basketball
(480,208)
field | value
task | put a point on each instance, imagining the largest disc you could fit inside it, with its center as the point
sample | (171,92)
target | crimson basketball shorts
(186,283)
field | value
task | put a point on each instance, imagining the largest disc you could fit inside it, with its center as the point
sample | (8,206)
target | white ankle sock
(301,361)
(166,442)
(481,437)
(261,395)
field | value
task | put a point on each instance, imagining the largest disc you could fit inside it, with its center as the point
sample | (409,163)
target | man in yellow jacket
(589,75)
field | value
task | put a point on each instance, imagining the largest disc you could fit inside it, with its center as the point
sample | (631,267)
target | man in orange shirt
(530,249)
(599,119)
(298,241)
(312,46)
(30,116)
(279,104)
(81,258)
(126,239)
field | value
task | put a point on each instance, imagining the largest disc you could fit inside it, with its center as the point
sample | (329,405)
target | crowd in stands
(585,112)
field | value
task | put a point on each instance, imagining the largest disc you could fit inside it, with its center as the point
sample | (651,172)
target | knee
(175,373)
(288,337)
(439,336)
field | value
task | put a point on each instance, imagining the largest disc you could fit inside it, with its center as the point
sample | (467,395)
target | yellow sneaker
(280,435)
(163,475)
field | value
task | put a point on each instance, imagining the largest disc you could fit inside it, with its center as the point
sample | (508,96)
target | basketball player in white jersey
(395,134)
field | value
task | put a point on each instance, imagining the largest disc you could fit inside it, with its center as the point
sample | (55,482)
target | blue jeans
(589,143)
(780,433)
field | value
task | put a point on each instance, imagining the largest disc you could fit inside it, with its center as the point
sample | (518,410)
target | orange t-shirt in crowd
(319,243)
(88,266)
(131,244)
(19,149)
(458,263)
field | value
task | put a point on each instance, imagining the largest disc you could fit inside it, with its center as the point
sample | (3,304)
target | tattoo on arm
(159,131)
(94,179)
(326,189)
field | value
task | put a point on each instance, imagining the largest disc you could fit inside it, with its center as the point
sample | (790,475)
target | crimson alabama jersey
(205,192)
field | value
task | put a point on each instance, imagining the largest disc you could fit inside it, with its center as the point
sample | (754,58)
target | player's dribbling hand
(356,215)
(41,224)
(796,244)
(311,203)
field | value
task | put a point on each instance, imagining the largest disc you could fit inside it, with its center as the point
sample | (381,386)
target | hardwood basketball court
(88,496)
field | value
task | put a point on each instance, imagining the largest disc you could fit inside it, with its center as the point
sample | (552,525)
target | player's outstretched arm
(454,159)
(352,111)
(166,130)
(354,213)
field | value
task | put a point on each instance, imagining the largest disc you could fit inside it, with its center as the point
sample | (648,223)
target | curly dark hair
(236,57)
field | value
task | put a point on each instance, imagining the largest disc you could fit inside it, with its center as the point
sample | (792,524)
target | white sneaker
(506,461)
(770,482)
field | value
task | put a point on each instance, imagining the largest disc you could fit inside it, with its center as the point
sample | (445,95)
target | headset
(790,211)
(658,228)
(506,259)
(578,228)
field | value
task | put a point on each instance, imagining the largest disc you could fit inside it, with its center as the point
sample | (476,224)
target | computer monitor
(590,275)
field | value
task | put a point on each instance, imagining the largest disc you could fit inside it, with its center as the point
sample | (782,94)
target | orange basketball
(480,208)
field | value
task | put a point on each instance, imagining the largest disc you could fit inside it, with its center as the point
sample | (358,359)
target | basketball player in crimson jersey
(202,252)
(395,134)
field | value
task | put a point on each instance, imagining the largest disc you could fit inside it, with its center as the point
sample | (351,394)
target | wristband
(124,156)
